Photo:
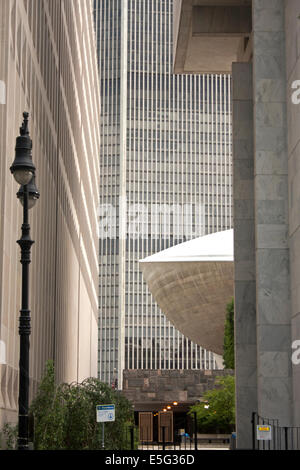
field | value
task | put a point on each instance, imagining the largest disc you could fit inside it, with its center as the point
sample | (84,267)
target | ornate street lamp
(23,170)
(23,167)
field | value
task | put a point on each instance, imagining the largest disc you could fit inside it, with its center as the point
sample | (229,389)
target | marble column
(292,26)
(244,252)
(273,310)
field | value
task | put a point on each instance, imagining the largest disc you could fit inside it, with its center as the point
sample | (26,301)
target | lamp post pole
(24,173)
(25,244)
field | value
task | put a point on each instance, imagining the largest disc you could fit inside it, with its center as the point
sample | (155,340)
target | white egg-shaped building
(192,283)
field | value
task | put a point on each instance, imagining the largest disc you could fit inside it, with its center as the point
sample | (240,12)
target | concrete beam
(207,35)
(227,20)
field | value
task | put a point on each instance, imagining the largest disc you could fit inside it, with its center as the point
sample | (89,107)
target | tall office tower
(165,178)
(48,67)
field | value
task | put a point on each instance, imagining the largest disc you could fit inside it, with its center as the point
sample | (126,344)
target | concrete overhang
(211,34)
(192,283)
(183,407)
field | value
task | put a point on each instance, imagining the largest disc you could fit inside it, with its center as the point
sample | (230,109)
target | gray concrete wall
(271,212)
(244,252)
(292,26)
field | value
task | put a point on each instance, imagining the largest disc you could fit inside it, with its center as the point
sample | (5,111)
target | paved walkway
(188,447)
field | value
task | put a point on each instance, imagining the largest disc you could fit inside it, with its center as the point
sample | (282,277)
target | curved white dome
(214,247)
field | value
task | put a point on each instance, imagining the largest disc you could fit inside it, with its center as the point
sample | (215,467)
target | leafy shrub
(228,355)
(217,411)
(9,436)
(65,415)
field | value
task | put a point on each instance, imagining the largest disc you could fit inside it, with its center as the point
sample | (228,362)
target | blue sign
(105,413)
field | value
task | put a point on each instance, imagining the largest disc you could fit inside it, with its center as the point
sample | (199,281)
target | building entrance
(156,427)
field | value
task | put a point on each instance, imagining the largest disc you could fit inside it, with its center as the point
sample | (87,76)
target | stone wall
(146,386)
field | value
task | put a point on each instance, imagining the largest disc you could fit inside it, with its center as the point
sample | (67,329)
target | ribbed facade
(48,67)
(165,178)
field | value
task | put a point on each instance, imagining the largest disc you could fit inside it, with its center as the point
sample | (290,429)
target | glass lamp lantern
(33,193)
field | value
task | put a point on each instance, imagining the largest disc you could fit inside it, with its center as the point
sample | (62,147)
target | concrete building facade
(264,61)
(48,67)
(166,178)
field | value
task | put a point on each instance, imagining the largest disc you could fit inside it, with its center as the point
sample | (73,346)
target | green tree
(65,415)
(217,411)
(228,355)
(9,436)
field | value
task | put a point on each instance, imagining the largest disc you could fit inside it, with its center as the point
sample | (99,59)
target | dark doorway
(155,427)
(146,426)
(165,426)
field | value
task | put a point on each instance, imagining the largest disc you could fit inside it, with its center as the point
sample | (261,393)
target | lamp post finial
(24,128)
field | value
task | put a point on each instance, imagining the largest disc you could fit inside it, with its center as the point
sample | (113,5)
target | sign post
(104,414)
